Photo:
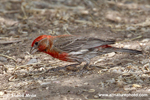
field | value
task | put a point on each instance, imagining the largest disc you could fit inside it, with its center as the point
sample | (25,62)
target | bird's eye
(36,43)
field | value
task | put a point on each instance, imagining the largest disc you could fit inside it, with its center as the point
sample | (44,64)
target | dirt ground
(112,76)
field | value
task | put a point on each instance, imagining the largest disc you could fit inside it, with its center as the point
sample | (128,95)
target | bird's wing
(75,43)
(96,42)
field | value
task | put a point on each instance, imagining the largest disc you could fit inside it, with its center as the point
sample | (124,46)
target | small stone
(111,80)
(8,51)
(120,83)
(47,88)
(130,28)
(56,82)
(86,83)
(55,22)
(91,90)
(129,88)
(146,66)
(127,46)
(24,33)
(19,60)
(129,35)
(144,29)
(1,93)
(42,69)
(1,64)
(84,90)
(136,85)
(85,12)
(94,9)
(114,71)
(11,33)
(126,74)
(147,48)
(111,54)
(145,61)
(118,39)
(3,59)
(45,83)
(104,70)
(32,61)
(96,96)
(145,40)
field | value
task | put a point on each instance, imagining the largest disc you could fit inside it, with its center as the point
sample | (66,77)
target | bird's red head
(40,43)
(38,39)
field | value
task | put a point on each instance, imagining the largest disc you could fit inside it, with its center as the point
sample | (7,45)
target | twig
(9,12)
(138,37)
(9,42)
(23,10)
(8,57)
(25,66)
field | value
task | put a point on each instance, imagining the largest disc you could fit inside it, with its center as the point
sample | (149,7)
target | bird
(73,48)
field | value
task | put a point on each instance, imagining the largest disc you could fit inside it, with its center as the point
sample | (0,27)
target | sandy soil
(37,77)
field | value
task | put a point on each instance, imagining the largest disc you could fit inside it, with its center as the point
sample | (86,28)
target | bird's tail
(127,50)
(108,49)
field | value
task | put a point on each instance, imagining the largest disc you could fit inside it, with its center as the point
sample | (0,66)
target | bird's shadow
(75,69)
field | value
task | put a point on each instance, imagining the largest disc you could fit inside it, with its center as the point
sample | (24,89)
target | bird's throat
(61,56)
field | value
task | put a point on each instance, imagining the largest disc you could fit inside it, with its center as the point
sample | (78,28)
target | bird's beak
(33,50)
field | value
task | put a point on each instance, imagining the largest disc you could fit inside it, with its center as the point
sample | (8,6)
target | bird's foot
(87,67)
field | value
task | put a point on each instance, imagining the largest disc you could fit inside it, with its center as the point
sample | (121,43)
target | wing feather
(72,43)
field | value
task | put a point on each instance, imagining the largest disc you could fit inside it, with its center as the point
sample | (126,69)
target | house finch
(73,48)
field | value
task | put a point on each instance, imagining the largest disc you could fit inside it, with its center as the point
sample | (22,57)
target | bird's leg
(87,67)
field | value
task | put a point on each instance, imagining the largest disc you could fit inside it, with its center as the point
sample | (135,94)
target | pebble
(96,96)
(111,80)
(1,93)
(147,48)
(130,89)
(144,29)
(85,12)
(1,64)
(45,83)
(145,40)
(47,88)
(111,54)
(86,83)
(126,74)
(129,35)
(8,51)
(3,59)
(19,60)
(11,33)
(145,61)
(24,33)
(42,69)
(127,46)
(136,85)
(91,90)
(147,66)
(104,70)
(114,71)
(32,61)
(130,28)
